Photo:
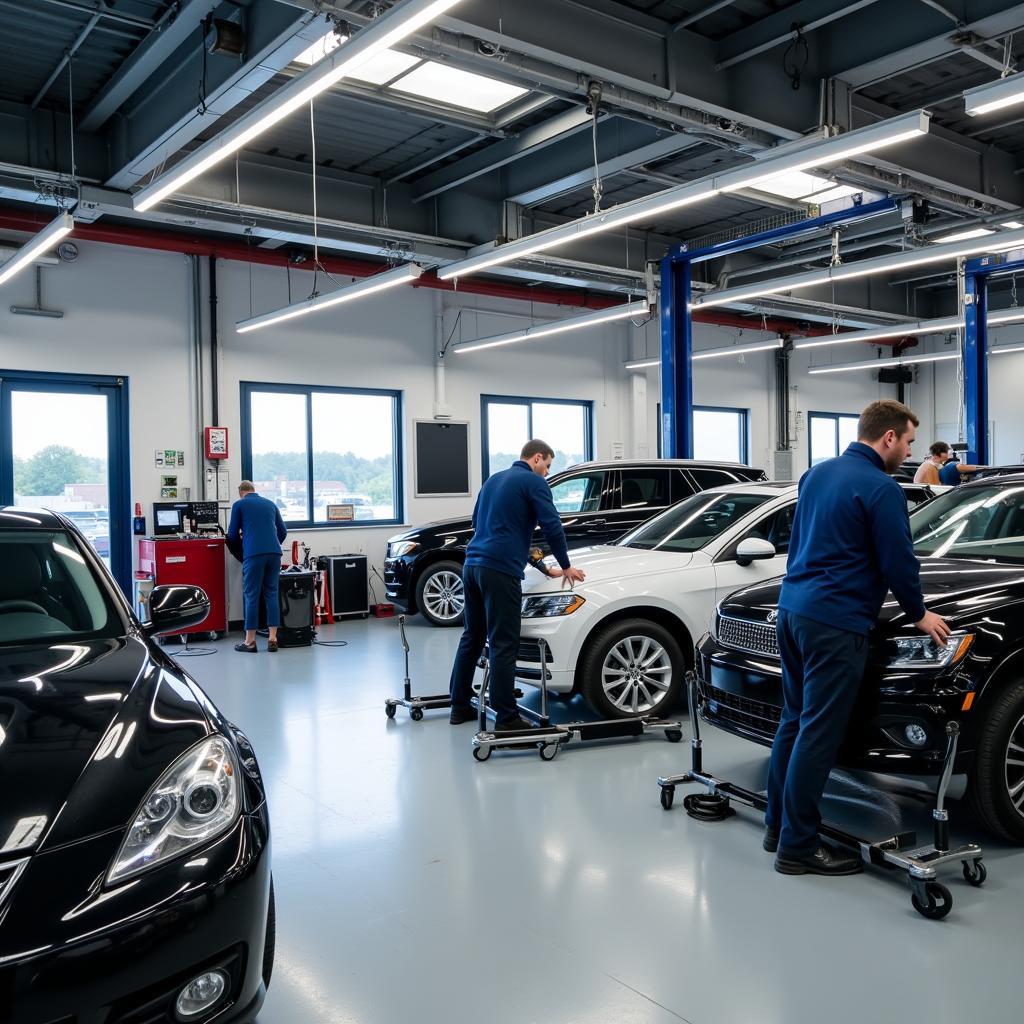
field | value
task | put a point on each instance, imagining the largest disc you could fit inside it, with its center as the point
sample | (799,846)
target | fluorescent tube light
(368,286)
(600,316)
(938,326)
(42,242)
(1005,92)
(1003,349)
(864,268)
(963,236)
(872,364)
(390,28)
(643,364)
(737,350)
(1012,224)
(799,157)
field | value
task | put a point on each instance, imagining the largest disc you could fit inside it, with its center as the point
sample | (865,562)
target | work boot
(822,861)
(245,648)
(514,723)
(461,715)
(771,840)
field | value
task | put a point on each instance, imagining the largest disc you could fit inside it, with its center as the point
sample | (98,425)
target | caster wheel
(548,751)
(975,873)
(935,903)
(668,795)
(213,635)
(673,735)
(481,753)
(389,710)
(416,714)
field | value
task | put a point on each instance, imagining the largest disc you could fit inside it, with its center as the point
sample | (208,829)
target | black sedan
(970,541)
(135,881)
(598,502)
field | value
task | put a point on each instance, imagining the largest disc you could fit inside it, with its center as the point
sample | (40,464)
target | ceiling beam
(65,60)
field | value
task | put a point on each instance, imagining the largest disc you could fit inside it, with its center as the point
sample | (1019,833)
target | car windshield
(49,591)
(693,523)
(972,522)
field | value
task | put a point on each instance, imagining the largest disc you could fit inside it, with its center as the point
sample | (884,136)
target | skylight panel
(793,184)
(838,192)
(377,70)
(457,88)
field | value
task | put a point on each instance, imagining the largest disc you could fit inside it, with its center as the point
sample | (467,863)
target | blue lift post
(677,322)
(977,274)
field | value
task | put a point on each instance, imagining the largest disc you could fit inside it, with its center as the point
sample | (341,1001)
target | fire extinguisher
(295,552)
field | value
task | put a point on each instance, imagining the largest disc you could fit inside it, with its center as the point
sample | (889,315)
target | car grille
(744,635)
(529,651)
(752,714)
(9,873)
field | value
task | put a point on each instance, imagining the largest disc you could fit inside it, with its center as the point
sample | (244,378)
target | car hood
(605,563)
(458,528)
(955,588)
(87,729)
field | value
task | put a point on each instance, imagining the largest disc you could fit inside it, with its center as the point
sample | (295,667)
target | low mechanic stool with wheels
(548,738)
(900,852)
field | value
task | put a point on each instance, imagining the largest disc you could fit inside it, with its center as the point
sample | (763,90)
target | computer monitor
(167,517)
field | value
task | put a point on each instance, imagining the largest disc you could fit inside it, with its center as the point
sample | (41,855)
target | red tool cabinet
(196,561)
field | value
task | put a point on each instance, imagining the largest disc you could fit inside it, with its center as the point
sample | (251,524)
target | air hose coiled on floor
(707,806)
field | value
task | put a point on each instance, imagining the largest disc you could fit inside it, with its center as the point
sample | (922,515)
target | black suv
(598,502)
(970,541)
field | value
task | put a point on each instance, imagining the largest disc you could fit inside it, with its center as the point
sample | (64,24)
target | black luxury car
(970,541)
(135,882)
(598,502)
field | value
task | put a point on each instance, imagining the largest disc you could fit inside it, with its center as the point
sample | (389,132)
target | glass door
(63,449)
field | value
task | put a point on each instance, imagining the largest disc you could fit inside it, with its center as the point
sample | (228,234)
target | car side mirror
(176,608)
(753,549)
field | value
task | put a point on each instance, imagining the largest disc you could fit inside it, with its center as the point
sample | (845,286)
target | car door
(776,527)
(581,500)
(636,496)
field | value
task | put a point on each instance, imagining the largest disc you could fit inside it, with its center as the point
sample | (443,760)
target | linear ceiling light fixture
(38,244)
(1005,92)
(714,353)
(871,364)
(1001,350)
(642,364)
(796,157)
(939,326)
(368,286)
(390,28)
(864,268)
(600,316)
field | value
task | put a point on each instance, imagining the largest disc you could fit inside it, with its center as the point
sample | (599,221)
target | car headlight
(402,547)
(545,605)
(922,651)
(193,801)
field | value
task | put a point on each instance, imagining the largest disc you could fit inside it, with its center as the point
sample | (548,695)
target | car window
(579,493)
(972,522)
(693,523)
(707,478)
(776,528)
(643,488)
(49,592)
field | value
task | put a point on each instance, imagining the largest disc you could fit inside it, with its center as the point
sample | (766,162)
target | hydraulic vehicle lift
(900,852)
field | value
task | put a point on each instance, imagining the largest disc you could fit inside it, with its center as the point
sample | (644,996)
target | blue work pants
(261,575)
(822,671)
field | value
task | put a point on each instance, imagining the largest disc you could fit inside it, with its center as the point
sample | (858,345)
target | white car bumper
(557,634)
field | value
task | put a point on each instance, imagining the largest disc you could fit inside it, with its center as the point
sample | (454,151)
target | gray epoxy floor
(415,885)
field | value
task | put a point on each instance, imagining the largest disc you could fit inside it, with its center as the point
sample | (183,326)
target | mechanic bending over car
(850,545)
(510,505)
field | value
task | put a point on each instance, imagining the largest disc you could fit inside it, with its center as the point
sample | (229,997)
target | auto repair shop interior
(359,252)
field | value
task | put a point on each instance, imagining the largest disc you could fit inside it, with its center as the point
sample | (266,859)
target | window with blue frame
(509,422)
(721,434)
(829,434)
(326,456)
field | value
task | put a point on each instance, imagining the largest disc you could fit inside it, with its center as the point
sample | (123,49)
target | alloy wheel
(636,674)
(443,596)
(1014,766)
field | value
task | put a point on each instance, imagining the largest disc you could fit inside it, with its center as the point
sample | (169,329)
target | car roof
(779,487)
(13,517)
(658,464)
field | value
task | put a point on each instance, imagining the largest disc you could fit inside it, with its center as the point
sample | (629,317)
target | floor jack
(417,705)
(930,897)
(549,738)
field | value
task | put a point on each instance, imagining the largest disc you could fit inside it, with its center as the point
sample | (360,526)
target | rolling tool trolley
(548,738)
(900,852)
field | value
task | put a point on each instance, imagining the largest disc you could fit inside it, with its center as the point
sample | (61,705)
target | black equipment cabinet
(347,581)
(297,595)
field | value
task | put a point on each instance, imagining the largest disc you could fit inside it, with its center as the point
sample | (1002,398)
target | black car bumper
(398,583)
(741,692)
(74,953)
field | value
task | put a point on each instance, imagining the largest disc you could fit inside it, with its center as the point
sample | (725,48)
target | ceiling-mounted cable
(794,60)
(594,93)
(71,112)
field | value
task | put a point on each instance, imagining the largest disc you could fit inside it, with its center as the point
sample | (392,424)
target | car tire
(990,791)
(270,941)
(439,595)
(633,649)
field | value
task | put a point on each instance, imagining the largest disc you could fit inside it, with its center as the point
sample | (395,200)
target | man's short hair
(880,417)
(536,447)
(939,448)
(245,486)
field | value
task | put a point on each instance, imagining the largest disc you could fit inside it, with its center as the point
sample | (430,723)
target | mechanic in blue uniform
(850,545)
(258,521)
(953,473)
(508,508)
